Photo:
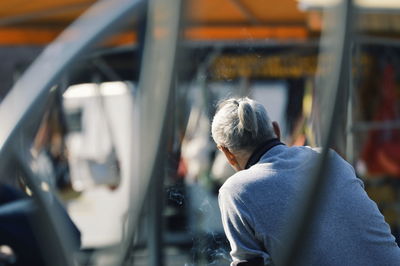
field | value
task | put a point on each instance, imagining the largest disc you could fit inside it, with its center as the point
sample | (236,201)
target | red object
(382,149)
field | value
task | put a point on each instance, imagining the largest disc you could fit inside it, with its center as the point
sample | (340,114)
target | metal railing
(23,106)
(29,94)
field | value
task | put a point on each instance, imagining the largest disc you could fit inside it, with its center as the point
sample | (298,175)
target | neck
(242,158)
(260,151)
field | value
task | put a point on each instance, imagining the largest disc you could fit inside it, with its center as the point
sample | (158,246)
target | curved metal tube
(153,100)
(337,42)
(30,92)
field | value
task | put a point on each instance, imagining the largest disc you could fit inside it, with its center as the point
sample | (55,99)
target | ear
(277,129)
(230,157)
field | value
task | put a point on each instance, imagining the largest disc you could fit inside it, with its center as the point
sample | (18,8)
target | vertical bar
(350,102)
(336,81)
(156,221)
(153,104)
(156,189)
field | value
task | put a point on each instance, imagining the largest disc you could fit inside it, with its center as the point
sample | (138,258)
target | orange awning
(26,22)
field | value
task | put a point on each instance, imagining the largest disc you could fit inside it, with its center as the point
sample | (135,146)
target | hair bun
(247,117)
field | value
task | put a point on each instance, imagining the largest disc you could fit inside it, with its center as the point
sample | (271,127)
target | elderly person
(257,201)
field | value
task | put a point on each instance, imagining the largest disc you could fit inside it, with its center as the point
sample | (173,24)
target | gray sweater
(257,205)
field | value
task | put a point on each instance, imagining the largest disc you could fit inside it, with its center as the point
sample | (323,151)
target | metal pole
(156,221)
(335,84)
(153,100)
(156,191)
(349,134)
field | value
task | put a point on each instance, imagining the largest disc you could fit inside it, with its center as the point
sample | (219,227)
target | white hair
(241,124)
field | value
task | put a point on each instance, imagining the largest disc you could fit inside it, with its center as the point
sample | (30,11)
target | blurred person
(49,150)
(257,201)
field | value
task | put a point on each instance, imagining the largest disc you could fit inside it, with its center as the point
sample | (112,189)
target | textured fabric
(256,206)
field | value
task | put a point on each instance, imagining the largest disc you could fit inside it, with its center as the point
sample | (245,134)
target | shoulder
(315,151)
(243,179)
(236,183)
(291,152)
(245,184)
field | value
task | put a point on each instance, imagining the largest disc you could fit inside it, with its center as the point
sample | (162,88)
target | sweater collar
(261,150)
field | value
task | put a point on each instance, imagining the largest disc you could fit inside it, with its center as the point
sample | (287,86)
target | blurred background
(97,129)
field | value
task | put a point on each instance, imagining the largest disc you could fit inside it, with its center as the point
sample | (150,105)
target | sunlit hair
(241,124)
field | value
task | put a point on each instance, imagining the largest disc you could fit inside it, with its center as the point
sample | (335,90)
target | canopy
(38,22)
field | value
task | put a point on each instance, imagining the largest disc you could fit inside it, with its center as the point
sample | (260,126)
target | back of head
(241,124)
